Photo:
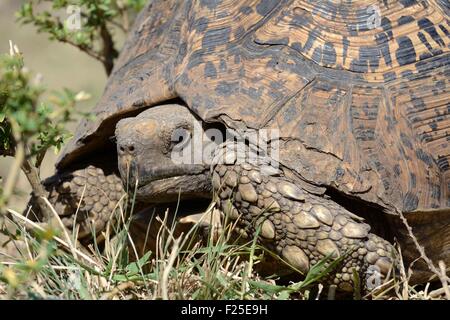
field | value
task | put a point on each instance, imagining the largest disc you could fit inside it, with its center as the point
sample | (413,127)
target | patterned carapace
(359,89)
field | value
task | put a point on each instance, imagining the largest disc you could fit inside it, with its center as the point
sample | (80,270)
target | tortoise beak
(129,171)
(149,174)
(128,168)
(138,173)
(160,181)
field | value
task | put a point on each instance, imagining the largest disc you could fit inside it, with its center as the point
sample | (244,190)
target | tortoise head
(165,154)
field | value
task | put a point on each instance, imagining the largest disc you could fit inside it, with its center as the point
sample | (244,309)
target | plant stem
(39,192)
(109,53)
(14,173)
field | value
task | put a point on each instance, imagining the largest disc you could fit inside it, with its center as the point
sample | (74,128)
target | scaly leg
(300,227)
(90,191)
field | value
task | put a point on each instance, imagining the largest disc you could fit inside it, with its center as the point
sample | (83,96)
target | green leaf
(267,287)
(284,295)
(320,269)
(356,285)
(120,278)
(144,259)
(132,269)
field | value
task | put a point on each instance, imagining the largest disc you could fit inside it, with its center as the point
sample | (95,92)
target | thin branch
(22,161)
(121,287)
(436,293)
(86,50)
(125,19)
(118,25)
(15,169)
(109,52)
(32,174)
(39,192)
(168,268)
(443,279)
(112,22)
(421,250)
(39,158)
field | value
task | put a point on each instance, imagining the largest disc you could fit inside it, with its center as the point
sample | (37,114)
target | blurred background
(60,65)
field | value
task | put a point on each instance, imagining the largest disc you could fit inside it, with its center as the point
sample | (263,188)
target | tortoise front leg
(87,197)
(300,227)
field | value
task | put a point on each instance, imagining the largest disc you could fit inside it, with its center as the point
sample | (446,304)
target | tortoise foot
(86,197)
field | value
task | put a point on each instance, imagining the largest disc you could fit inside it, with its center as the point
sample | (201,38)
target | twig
(18,160)
(38,189)
(125,20)
(319,292)
(39,158)
(14,173)
(114,23)
(405,278)
(32,174)
(108,51)
(436,293)
(22,161)
(86,50)
(121,287)
(332,292)
(442,277)
(118,25)
(168,268)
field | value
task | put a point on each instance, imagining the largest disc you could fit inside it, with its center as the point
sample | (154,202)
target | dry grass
(45,265)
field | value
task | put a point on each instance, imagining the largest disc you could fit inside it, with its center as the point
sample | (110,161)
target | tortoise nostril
(126,149)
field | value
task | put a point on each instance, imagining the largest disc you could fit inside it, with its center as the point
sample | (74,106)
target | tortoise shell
(358,89)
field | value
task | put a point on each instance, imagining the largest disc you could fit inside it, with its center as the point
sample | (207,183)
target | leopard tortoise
(357,92)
